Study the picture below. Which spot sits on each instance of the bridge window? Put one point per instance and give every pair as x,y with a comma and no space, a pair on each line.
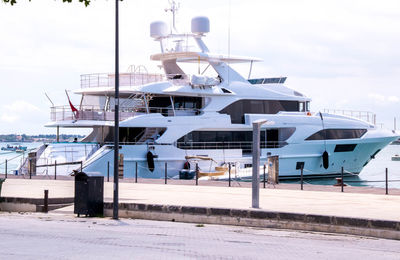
237,109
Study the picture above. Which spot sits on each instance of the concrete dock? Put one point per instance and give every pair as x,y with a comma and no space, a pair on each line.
154,201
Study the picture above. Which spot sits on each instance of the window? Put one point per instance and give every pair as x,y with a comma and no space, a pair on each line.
270,138
330,134
237,109
345,148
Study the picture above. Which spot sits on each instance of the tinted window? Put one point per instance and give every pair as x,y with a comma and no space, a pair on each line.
329,134
271,138
345,148
237,109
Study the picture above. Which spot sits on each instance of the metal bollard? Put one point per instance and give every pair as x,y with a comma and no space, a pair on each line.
264,175
387,185
342,184
165,178
6,168
108,171
197,174
229,167
301,177
46,201
30,168
136,173
55,169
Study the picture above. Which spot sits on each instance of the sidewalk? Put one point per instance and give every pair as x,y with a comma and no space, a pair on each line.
354,205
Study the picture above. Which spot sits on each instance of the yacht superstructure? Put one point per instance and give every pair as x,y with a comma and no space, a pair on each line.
209,113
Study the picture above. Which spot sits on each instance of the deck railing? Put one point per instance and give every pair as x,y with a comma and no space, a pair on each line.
64,113
362,115
125,79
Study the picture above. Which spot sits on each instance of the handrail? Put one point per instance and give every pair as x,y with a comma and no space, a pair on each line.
61,113
246,145
367,116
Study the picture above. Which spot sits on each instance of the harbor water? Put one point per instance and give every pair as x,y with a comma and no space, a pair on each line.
372,175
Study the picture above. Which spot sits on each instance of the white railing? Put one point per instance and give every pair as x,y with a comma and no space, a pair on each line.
362,115
125,79
62,113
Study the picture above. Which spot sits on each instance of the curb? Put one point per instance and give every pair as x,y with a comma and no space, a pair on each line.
259,218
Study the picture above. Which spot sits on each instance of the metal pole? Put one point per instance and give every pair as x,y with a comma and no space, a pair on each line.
46,201
55,169
116,111
165,172
301,177
229,165
387,186
108,171
30,168
136,173
197,174
6,169
264,174
81,166
342,179
256,164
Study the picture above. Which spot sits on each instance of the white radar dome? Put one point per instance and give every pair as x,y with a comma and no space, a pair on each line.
158,29
200,25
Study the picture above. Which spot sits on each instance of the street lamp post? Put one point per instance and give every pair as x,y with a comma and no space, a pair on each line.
255,193
116,119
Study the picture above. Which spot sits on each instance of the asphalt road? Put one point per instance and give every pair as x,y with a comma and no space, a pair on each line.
59,236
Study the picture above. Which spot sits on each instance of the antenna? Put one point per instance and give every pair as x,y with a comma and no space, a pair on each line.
173,9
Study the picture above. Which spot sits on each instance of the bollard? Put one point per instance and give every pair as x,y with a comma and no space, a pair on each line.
108,171
342,184
6,168
46,201
387,186
165,181
30,168
136,173
81,166
229,169
55,169
301,177
264,174
197,174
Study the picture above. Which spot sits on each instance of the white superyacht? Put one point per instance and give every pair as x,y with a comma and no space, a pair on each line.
202,108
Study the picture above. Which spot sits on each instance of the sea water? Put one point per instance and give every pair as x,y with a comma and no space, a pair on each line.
14,159
374,171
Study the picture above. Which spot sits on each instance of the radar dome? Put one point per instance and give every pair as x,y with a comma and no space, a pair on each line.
200,25
158,29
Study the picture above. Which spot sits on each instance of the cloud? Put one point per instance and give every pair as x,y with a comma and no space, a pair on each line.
393,99
18,112
377,97
20,106
8,118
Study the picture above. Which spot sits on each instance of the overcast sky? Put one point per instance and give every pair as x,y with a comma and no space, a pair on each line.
342,54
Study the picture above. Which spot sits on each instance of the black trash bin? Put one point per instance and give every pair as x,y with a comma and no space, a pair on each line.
89,194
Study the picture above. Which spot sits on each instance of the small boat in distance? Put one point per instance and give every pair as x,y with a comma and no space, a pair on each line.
16,148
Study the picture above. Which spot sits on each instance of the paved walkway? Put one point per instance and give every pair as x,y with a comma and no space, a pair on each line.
373,206
57,236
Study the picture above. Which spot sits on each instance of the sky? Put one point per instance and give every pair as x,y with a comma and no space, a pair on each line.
342,54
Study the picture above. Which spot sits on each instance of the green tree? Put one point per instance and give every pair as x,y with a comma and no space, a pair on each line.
12,2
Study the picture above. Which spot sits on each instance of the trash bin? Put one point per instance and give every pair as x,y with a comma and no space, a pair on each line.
1,184
89,194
